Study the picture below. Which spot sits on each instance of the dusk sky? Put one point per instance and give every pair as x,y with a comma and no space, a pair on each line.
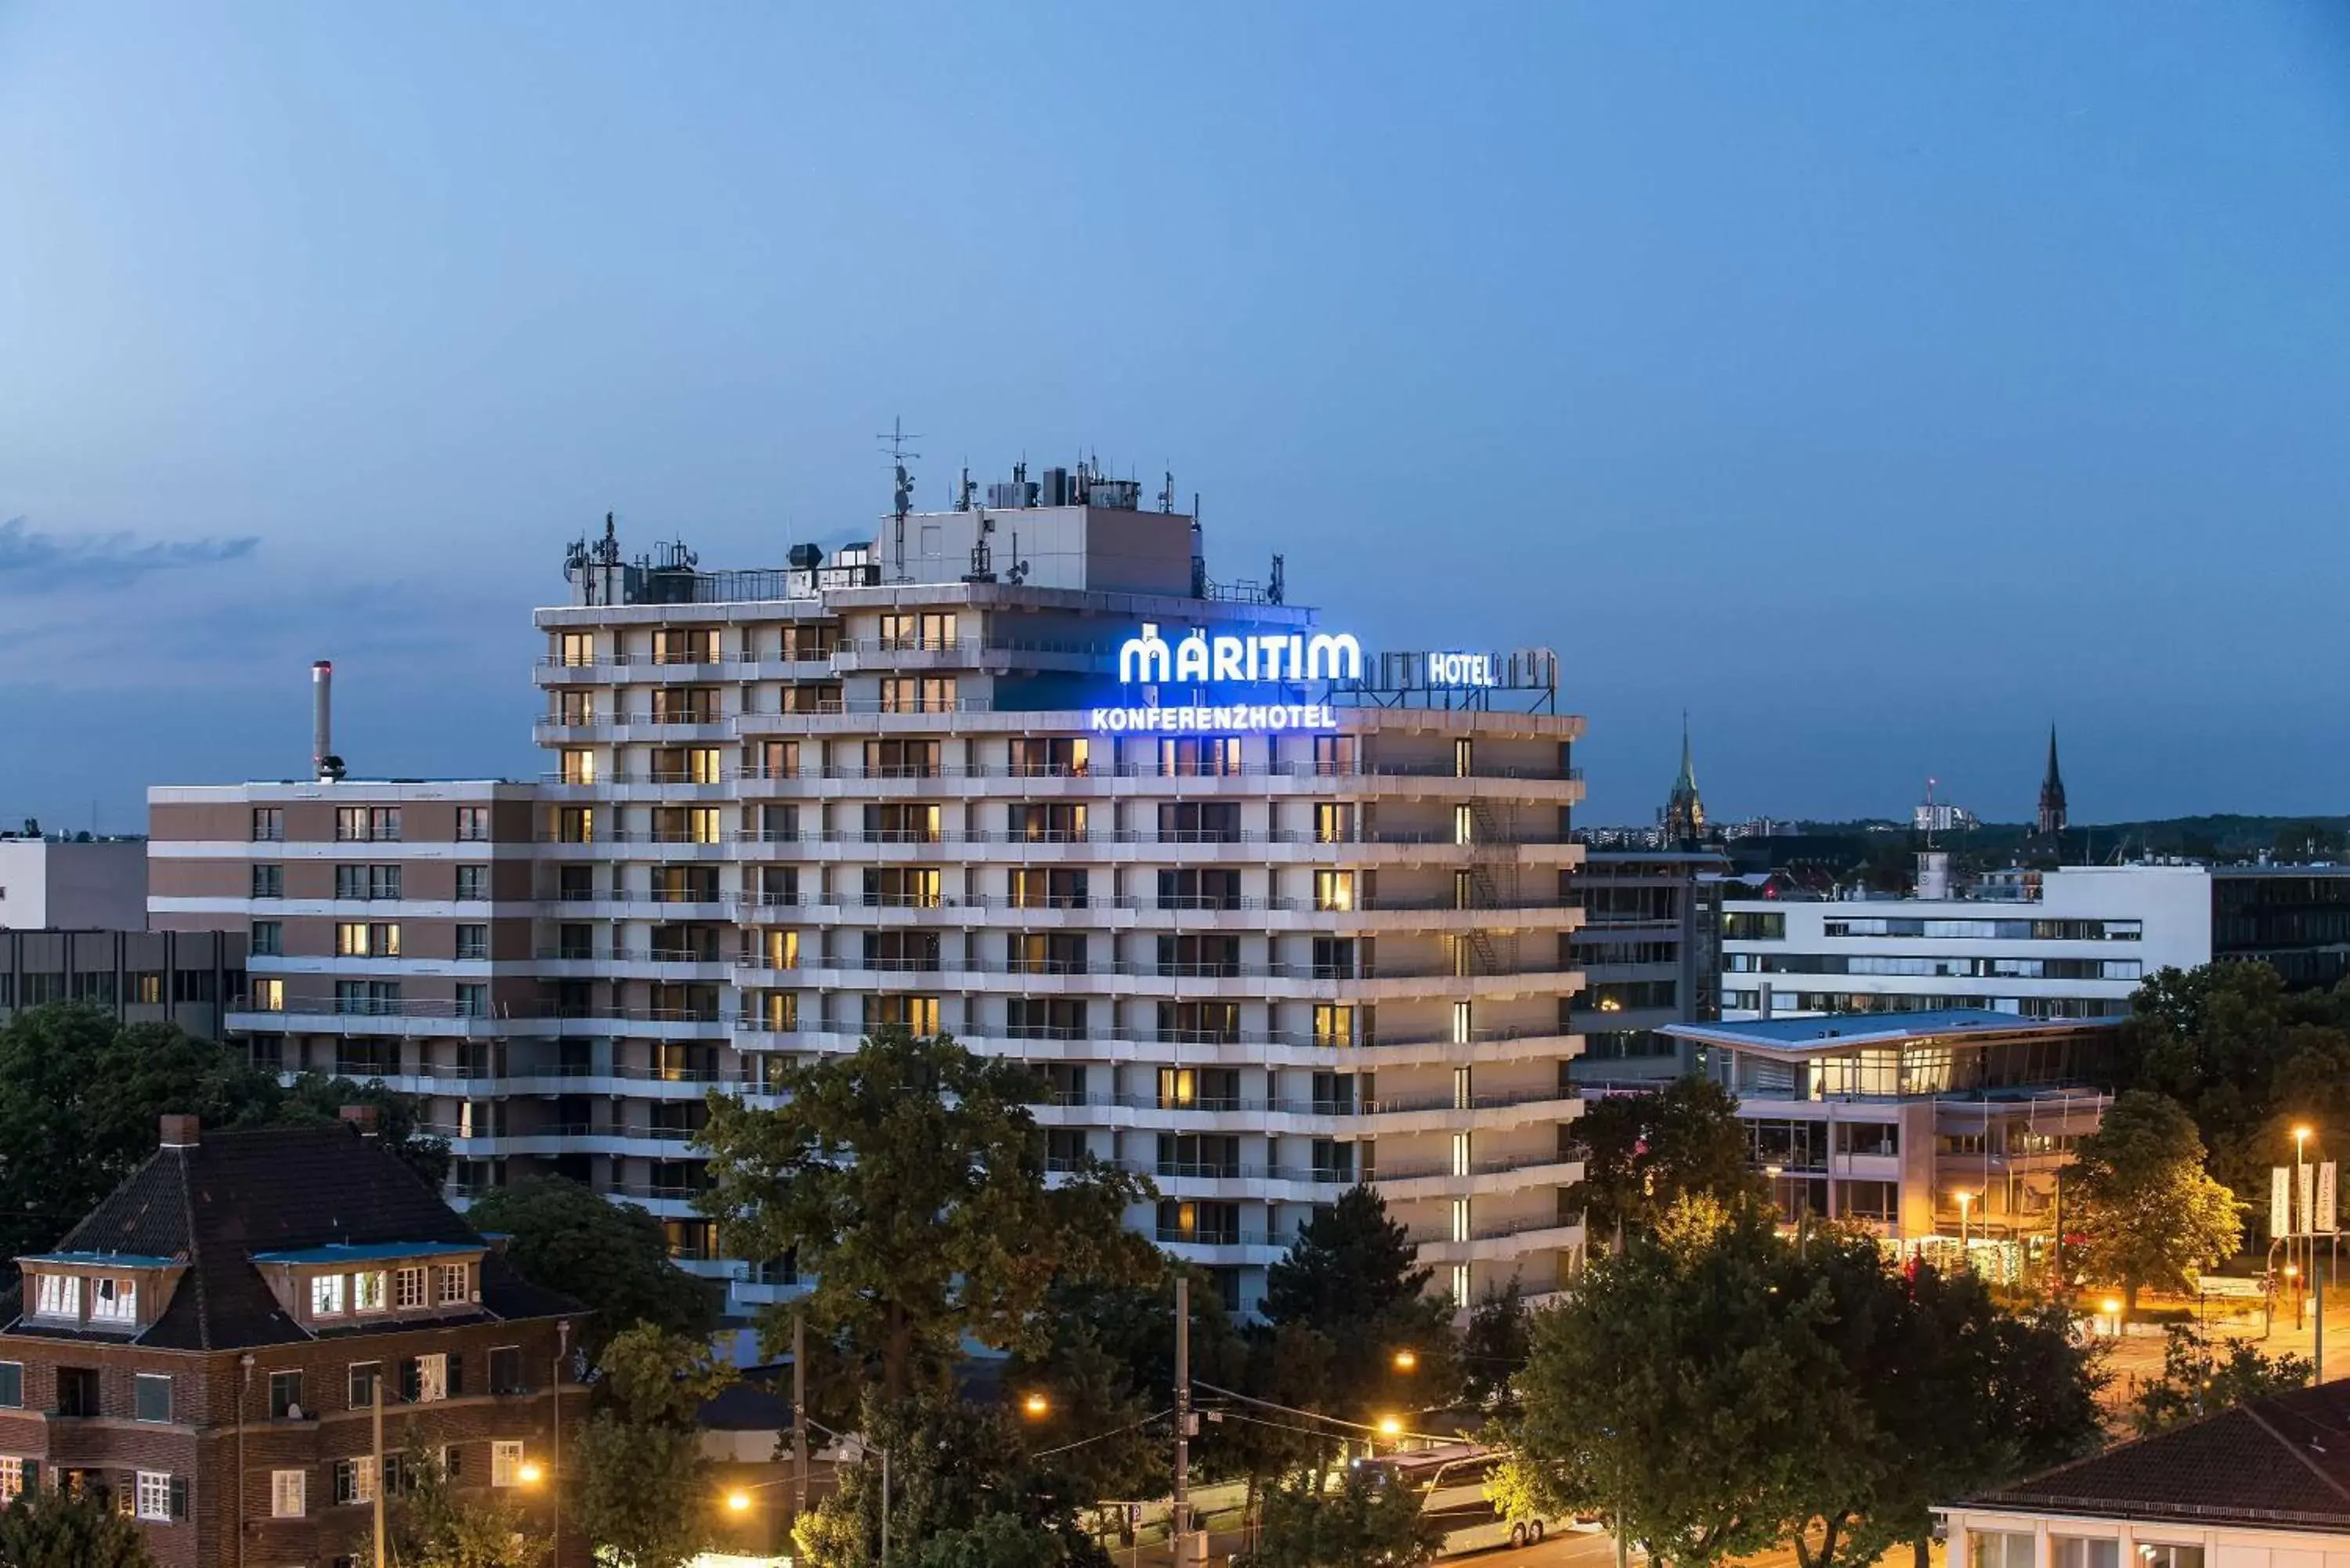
1879,384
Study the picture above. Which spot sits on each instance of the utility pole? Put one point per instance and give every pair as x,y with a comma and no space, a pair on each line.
1180,1519
375,1420
800,1416
555,1458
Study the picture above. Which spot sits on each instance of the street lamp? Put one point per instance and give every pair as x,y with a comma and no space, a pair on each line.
1965,1199
532,1473
1407,1360
2308,1221
2114,1310
1036,1406
1389,1427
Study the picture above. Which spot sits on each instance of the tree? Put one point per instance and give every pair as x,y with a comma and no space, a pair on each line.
2151,1214
1682,1392
998,1541
643,1490
81,1096
429,1525
1351,1277
2195,1381
612,1256
1642,1153
1928,1371
1365,1522
909,1179
1493,1348
45,1528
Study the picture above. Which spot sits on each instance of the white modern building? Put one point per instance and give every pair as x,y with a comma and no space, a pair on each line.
74,884
2073,942
1942,1126
1267,912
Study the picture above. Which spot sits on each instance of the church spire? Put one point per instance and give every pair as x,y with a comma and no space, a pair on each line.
2052,794
1685,808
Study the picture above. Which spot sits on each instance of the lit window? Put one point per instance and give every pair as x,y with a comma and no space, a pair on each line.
1334,890
456,1282
154,1495
367,1290
269,996
12,1477
505,1464
431,1378
408,1289
113,1300
327,1295
285,1493
355,1480
59,1296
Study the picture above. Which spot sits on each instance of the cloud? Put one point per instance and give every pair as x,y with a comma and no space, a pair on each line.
33,563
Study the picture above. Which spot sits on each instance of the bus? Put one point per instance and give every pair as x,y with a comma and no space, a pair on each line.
1451,1479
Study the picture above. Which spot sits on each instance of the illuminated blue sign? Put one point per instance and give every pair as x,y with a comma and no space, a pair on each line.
1275,656
1216,718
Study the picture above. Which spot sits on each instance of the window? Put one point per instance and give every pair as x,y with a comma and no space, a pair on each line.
576,649
1334,890
151,1396
78,1391
367,1290
355,939
367,824
473,941
12,1477
505,1464
473,824
1999,1549
12,1384
268,823
408,1289
154,1494
473,1000
427,1377
506,1374
285,1395
473,883
268,938
355,1480
59,1296
327,1295
269,881
2162,1555
1334,823
456,1284
268,995
285,1493
363,1378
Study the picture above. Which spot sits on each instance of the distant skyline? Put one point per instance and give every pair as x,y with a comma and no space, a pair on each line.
1880,385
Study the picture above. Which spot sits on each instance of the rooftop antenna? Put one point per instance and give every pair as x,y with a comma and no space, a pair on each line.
1167,493
964,490
904,502
1275,587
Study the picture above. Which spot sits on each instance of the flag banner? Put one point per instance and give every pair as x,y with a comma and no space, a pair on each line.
2308,1197
2323,1213
2279,1201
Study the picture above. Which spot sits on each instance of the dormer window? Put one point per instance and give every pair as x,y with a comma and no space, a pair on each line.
456,1284
59,1296
326,1295
367,1290
408,1288
113,1300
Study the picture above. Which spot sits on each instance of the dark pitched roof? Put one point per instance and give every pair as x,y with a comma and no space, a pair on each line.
218,1202
2282,1461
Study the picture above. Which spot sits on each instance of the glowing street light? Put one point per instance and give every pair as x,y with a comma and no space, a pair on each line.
1389,1427
1036,1406
531,1473
1407,1360
738,1501
1965,1200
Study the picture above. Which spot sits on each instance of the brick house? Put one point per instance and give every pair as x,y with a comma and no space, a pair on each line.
204,1344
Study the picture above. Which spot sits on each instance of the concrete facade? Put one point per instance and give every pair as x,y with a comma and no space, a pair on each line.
98,884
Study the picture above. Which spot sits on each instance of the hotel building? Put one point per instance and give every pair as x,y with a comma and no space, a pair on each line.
1267,913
